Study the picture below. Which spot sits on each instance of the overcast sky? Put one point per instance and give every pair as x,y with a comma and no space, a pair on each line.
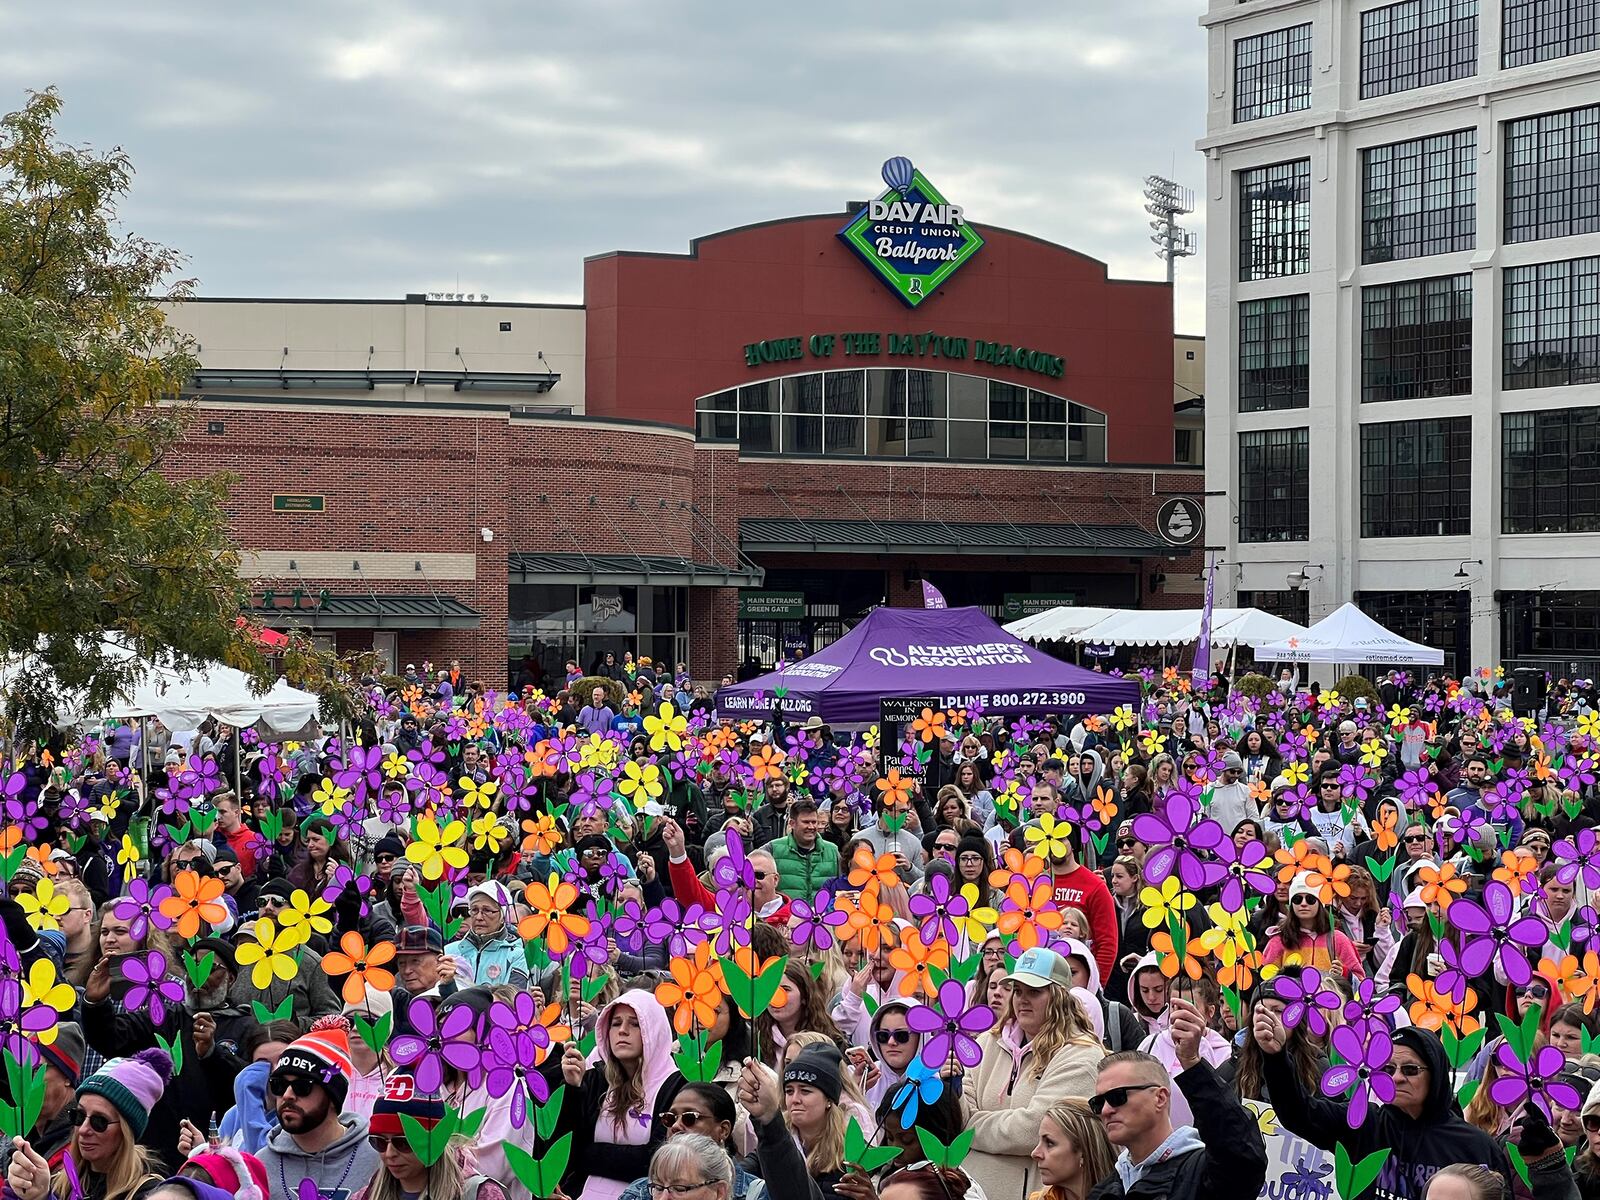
377,147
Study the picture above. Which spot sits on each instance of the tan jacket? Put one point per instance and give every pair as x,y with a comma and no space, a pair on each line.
1003,1104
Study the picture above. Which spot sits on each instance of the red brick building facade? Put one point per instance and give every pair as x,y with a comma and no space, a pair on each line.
761,418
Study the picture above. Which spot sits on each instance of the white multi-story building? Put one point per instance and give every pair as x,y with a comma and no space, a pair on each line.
1403,318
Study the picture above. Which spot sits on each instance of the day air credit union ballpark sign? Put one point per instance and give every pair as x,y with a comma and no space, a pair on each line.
911,236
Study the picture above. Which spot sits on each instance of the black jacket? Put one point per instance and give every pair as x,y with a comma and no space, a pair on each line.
581,1107
1418,1148
1233,1163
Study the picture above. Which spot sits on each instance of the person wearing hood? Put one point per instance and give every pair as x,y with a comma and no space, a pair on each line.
1042,1051
1222,1154
489,945
1202,995
308,1084
615,1108
247,1124
1148,992
892,1047
1123,1029
1420,1127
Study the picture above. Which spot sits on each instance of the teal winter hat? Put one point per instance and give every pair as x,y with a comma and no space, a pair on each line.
132,1085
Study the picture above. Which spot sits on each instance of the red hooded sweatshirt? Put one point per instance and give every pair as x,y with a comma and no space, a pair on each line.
1083,889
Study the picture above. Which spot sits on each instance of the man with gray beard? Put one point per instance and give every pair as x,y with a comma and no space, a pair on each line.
219,1024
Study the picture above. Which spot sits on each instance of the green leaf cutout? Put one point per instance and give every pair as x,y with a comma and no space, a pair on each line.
428,1144
263,1014
964,970
374,1033
1353,1179
1518,1163
174,1050
546,1115
199,969
542,1175
858,1154
1381,871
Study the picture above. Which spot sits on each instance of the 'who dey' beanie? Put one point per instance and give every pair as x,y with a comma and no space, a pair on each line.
132,1085
322,1056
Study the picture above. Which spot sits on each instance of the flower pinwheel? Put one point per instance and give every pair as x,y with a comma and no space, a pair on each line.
1578,855
44,905
691,995
1440,885
435,849
269,953
767,763
195,899
950,1026
152,991
1049,838
43,986
1537,1080
1029,914
666,727
140,906
1175,840
1167,900
893,788
866,868
552,917
520,1037
1494,934
1359,1073
916,961
361,967
1249,866
476,795
921,1085
640,783
939,910
815,920
487,833
430,1045
1305,999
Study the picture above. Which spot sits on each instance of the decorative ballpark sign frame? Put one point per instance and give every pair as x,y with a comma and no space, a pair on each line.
911,236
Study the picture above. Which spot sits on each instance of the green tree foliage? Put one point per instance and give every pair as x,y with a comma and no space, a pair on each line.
94,540
1254,685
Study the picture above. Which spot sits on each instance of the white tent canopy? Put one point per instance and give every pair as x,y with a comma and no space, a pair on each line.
1348,635
1157,627
183,699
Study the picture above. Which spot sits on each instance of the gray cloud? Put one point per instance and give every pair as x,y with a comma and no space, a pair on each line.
376,147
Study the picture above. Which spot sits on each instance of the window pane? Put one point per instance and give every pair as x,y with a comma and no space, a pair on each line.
1274,353
1275,485
758,433
717,425
928,439
1416,478
1419,197
1539,30
845,392
1047,443
969,439
969,397
886,436
1416,43
802,435
1007,402
1008,439
1275,220
728,401
802,394
886,393
845,435
1552,175
1416,339
925,393
1050,410
759,397
1086,443
1550,471
1551,324
1272,73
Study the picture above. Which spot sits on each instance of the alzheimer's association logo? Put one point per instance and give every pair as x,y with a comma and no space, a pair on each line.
889,656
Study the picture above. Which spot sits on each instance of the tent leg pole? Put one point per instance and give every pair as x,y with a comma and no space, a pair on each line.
238,753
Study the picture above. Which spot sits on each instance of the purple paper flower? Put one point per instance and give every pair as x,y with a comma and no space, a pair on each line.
937,911
734,869
1494,932
152,991
1537,1080
1174,839
815,921
1360,1075
1367,1005
430,1047
1305,999
1579,854
951,1026
1250,866
677,927
140,906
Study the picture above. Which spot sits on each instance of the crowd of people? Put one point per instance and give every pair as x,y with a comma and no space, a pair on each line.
599,944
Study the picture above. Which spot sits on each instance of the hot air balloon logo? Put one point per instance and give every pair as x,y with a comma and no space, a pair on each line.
898,174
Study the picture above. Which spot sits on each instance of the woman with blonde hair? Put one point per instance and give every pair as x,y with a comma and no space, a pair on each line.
1073,1154
114,1111
851,1097
1042,1051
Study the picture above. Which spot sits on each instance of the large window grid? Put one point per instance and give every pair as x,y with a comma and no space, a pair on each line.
1539,30
1416,478
1274,354
1550,471
1419,197
1416,339
1272,73
1417,43
1275,485
1551,324
900,413
1553,175
1275,220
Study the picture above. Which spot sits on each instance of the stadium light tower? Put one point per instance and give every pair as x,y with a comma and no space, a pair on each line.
1165,201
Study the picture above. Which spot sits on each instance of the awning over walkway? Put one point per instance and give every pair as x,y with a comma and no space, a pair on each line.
864,536
629,569
328,611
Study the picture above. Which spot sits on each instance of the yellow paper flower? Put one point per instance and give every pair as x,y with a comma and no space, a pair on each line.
1589,724
44,905
872,737
1296,772
1327,698
1373,753
1122,718
666,727
1169,898
305,913
1152,742
477,795
978,921
267,952
396,766
128,859
597,751
640,783
1399,714
487,833
435,848
42,987
1049,838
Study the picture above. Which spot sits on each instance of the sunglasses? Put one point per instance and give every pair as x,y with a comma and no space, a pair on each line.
1126,843
1409,1070
947,847
1591,1122
1538,991
760,875
1308,900
688,1118
1116,1097
384,859
898,1036
380,1143
98,1122
1420,837
298,1084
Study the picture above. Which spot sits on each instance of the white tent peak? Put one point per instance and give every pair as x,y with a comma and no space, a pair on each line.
1348,635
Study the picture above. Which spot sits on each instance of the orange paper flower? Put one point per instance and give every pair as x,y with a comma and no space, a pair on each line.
895,788
1169,960
1518,870
870,920
864,868
1433,1010
1384,832
1015,863
917,962
1300,857
1104,804
197,900
41,855
1578,979
543,835
1440,884
362,968
1032,914
930,726
551,917
767,762
1331,883
691,995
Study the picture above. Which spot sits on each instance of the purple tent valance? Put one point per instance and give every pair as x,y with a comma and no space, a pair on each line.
957,655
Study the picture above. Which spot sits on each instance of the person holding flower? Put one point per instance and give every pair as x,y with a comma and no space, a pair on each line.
1307,936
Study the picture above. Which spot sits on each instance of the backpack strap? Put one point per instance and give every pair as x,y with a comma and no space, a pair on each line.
1114,1025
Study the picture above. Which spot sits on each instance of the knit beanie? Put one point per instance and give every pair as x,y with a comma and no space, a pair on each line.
322,1056
401,1097
819,1067
281,888
241,1175
132,1085
66,1053
389,844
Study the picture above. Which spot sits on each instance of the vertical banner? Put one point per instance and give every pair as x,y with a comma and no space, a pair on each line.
931,597
1202,650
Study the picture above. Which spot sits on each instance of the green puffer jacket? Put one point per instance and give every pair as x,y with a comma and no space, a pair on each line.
802,872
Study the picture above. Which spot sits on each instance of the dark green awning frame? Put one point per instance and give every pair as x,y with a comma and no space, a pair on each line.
534,567
798,535
371,612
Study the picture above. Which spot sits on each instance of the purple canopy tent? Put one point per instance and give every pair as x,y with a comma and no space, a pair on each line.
956,657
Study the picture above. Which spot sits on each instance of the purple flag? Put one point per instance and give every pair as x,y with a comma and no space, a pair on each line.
931,597
1202,650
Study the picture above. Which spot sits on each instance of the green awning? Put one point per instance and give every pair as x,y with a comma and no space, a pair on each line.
773,535
328,611
534,567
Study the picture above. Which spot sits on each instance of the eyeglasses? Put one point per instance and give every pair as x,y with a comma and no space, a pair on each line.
1116,1097
688,1118
1409,1070
380,1143
298,1084
898,1036
1307,900
98,1122
677,1189
969,859
1538,991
